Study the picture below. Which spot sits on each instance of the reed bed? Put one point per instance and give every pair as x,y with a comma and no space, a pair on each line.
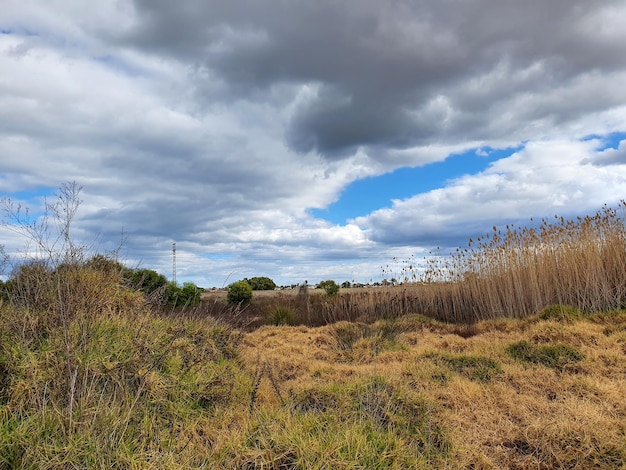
579,262
509,273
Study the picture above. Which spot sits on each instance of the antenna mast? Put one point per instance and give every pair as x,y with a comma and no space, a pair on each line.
174,262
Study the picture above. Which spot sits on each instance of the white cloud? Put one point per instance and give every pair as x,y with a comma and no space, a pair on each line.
544,178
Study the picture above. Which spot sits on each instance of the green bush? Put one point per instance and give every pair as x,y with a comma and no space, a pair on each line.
239,292
186,296
330,287
261,283
151,283
108,264
146,280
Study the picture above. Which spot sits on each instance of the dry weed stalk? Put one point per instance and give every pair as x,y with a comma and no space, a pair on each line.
264,369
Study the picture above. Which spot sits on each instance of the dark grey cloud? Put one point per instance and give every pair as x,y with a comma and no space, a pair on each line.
379,65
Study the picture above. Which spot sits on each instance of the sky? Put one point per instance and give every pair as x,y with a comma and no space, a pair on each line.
308,140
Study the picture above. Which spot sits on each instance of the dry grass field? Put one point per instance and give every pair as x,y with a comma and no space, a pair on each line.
496,410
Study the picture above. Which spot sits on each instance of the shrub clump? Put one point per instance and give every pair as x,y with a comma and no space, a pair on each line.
555,356
146,281
156,287
330,287
188,295
239,292
261,283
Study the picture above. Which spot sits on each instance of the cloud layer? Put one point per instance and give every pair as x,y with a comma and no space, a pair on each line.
219,124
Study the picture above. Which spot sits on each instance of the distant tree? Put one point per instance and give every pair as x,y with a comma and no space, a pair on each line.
239,292
188,295
261,283
330,287
345,284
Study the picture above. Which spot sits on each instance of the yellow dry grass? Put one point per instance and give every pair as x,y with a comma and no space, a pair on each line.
527,416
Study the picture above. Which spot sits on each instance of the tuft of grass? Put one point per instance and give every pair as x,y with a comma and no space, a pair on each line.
346,334
475,368
364,342
614,321
282,315
556,356
110,391
370,424
316,400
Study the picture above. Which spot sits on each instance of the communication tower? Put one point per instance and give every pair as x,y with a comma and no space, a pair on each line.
174,262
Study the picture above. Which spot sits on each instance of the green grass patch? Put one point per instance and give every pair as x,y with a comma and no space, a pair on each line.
558,312
475,368
365,424
556,356
113,392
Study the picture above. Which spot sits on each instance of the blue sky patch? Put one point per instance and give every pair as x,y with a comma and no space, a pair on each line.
609,141
31,199
369,194
35,194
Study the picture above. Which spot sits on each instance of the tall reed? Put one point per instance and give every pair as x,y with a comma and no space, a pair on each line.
518,271
509,273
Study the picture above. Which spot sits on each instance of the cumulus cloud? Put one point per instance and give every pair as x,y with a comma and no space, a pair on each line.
543,179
